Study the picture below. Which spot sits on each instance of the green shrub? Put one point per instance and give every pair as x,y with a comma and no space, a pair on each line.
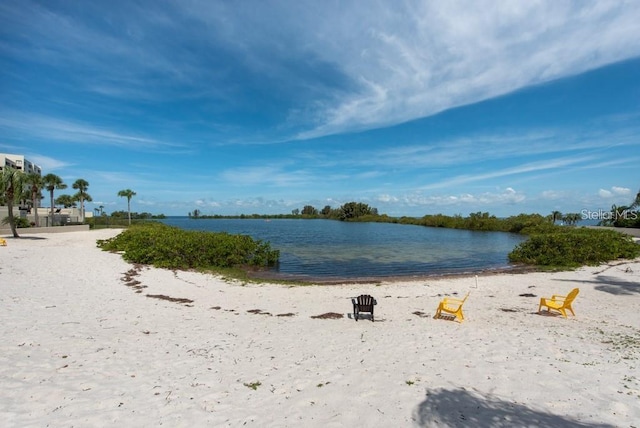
572,247
173,248
20,222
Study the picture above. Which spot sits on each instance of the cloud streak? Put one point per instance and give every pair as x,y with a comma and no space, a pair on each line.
362,67
70,131
448,54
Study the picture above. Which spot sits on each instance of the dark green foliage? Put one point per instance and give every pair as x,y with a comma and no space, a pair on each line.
522,223
622,217
66,201
353,210
309,210
173,248
571,247
21,223
136,216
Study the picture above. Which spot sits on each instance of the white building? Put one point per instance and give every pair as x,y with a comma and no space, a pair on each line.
19,162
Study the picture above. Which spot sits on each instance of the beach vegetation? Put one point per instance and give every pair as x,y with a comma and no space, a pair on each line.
309,210
81,185
623,216
119,219
170,247
573,247
53,182
20,222
355,210
11,183
35,184
253,385
127,193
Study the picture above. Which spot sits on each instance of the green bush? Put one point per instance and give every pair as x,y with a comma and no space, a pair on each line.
572,247
173,248
21,222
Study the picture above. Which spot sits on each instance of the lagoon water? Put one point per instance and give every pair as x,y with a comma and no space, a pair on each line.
328,249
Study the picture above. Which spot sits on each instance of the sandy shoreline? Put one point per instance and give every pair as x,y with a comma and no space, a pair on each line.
84,345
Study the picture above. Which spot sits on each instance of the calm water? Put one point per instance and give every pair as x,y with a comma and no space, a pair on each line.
326,249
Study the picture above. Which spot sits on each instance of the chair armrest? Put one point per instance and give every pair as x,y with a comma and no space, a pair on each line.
451,299
375,302
354,302
557,297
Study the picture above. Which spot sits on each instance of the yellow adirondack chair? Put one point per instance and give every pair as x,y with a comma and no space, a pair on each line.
559,303
3,242
451,306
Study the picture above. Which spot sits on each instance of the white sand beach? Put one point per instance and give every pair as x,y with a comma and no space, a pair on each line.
84,344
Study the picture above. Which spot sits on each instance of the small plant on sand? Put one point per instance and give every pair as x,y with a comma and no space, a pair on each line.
253,385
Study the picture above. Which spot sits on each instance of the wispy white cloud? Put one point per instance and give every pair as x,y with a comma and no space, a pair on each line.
48,163
72,131
425,57
516,170
487,147
339,69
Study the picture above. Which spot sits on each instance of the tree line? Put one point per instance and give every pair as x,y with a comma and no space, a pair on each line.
351,211
624,216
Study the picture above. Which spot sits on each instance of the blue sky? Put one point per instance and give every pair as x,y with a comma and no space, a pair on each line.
413,107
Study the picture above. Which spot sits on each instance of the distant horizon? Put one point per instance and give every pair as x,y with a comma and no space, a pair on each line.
414,108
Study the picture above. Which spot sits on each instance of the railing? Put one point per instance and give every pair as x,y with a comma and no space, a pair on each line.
58,220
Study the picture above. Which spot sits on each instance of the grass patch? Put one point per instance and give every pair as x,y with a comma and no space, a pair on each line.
253,385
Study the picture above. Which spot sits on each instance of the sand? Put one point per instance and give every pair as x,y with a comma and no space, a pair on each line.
84,343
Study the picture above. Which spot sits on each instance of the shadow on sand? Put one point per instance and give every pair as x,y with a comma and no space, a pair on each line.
460,408
611,285
32,238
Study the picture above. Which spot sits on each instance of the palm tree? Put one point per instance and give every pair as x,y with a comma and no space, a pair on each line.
11,184
66,201
35,183
81,185
636,202
571,218
52,182
127,193
556,215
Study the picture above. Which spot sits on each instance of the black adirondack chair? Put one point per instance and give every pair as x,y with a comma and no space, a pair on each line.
363,303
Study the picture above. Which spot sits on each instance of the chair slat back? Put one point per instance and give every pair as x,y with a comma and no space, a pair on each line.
571,296
365,302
